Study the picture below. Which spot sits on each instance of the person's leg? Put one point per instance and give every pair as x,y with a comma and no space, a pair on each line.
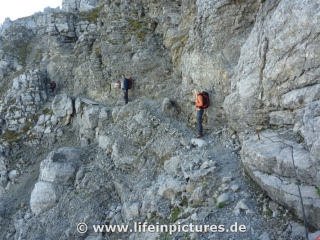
126,99
199,122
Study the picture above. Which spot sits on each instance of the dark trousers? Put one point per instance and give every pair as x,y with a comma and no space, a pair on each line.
52,89
199,121
126,98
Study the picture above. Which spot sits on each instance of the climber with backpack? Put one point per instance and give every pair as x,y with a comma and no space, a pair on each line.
202,102
127,84
52,86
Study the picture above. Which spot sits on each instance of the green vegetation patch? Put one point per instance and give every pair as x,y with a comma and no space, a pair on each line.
141,35
31,137
26,127
97,52
135,24
175,213
39,54
268,212
138,27
184,202
222,205
47,111
10,136
91,15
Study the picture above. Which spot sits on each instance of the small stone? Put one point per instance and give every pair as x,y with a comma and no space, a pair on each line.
205,165
273,206
198,142
118,209
264,236
241,205
223,198
212,163
234,188
236,212
27,216
47,130
9,236
276,214
111,215
13,175
8,186
245,194
193,235
226,179
250,213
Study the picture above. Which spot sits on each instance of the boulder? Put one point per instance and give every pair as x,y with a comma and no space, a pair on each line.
62,105
172,166
269,161
167,108
44,196
57,171
170,188
90,118
286,193
199,142
58,168
273,154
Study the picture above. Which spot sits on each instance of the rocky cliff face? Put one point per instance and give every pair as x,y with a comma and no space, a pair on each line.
257,59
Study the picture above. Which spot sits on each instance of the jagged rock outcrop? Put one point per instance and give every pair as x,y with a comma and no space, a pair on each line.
57,172
78,5
273,163
276,83
277,65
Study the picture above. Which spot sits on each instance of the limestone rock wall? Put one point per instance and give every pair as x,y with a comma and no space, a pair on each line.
278,65
276,83
215,36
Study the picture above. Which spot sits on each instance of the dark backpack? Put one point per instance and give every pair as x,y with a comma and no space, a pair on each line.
53,84
130,83
206,100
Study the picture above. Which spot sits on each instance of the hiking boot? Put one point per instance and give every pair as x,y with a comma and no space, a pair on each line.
198,136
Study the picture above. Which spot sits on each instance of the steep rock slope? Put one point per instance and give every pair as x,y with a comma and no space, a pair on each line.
276,83
257,60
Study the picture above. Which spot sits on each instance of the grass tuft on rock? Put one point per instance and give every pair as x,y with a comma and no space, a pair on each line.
175,213
91,15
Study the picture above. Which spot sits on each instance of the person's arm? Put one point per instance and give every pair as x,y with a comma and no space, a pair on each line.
199,102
